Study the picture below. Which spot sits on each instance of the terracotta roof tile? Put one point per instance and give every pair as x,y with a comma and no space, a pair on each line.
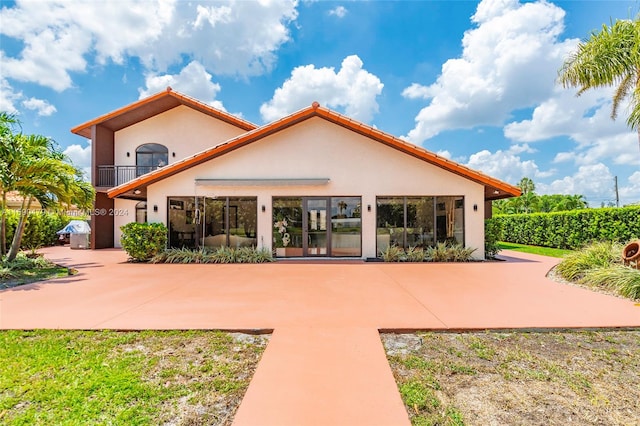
491,184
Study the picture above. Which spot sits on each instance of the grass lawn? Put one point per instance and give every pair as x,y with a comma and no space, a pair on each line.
544,251
25,270
133,378
518,378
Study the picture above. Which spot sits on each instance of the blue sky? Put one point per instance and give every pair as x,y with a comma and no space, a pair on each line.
472,81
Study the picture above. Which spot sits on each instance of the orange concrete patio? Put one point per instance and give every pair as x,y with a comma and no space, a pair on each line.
325,363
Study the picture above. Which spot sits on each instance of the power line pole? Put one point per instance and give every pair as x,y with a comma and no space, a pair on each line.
617,196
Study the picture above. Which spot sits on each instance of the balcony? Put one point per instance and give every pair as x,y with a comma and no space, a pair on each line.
110,176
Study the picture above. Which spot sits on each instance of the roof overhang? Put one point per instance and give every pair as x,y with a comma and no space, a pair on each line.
494,188
154,105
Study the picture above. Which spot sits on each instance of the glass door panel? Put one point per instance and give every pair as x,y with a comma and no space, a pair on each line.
346,226
288,235
316,227
214,233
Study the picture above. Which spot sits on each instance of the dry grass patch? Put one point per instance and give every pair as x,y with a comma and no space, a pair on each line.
518,378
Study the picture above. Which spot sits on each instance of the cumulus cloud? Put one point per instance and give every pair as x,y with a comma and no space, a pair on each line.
352,88
505,65
193,80
60,37
8,97
507,165
42,107
80,156
339,12
596,183
630,190
586,120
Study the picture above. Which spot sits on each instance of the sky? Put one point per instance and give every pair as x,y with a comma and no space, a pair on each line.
473,81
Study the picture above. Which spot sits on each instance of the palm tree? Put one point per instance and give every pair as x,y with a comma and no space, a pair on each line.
33,166
609,58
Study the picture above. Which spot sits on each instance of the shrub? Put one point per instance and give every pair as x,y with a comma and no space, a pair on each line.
576,264
623,279
219,255
443,252
40,228
414,254
571,229
492,234
393,253
142,241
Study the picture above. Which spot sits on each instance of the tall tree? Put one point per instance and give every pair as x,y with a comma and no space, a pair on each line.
609,58
8,123
34,166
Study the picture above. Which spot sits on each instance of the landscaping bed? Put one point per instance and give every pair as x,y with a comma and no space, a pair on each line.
517,378
108,377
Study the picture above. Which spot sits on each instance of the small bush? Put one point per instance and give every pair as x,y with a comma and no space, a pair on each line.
414,254
22,263
142,241
443,252
576,264
622,279
393,253
492,234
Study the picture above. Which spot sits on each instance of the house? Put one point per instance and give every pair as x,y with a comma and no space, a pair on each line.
314,183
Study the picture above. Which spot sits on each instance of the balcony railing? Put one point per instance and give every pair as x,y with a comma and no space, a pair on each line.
110,176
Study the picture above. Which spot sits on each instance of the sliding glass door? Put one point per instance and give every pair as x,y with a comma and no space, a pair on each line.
317,226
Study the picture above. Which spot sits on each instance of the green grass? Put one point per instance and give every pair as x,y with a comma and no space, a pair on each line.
622,279
133,378
597,255
544,251
25,270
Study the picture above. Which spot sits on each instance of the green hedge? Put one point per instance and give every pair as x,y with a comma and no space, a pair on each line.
40,229
571,229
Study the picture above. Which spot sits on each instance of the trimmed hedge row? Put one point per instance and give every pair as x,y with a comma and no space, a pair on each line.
571,229
40,229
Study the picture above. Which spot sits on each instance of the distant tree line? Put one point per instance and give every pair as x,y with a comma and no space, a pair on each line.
530,202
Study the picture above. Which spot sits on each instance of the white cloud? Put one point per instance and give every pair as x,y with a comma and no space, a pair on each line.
193,80
351,88
630,192
8,97
507,165
339,12
596,183
509,61
42,107
80,157
586,120
61,37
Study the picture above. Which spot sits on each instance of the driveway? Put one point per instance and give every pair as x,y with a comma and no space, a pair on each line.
325,363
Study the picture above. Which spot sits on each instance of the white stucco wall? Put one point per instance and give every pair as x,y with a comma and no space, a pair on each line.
182,130
316,148
124,211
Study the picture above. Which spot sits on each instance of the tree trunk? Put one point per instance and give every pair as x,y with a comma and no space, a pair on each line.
3,226
17,237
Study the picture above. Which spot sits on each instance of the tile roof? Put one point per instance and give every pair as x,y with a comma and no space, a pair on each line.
153,105
494,188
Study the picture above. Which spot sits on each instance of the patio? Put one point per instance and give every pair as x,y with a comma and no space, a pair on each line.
325,363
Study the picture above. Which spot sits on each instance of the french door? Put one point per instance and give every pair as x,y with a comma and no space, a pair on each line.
316,227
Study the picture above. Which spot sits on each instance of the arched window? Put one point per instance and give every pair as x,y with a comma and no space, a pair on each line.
150,156
141,212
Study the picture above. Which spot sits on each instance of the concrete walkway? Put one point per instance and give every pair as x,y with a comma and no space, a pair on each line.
325,363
